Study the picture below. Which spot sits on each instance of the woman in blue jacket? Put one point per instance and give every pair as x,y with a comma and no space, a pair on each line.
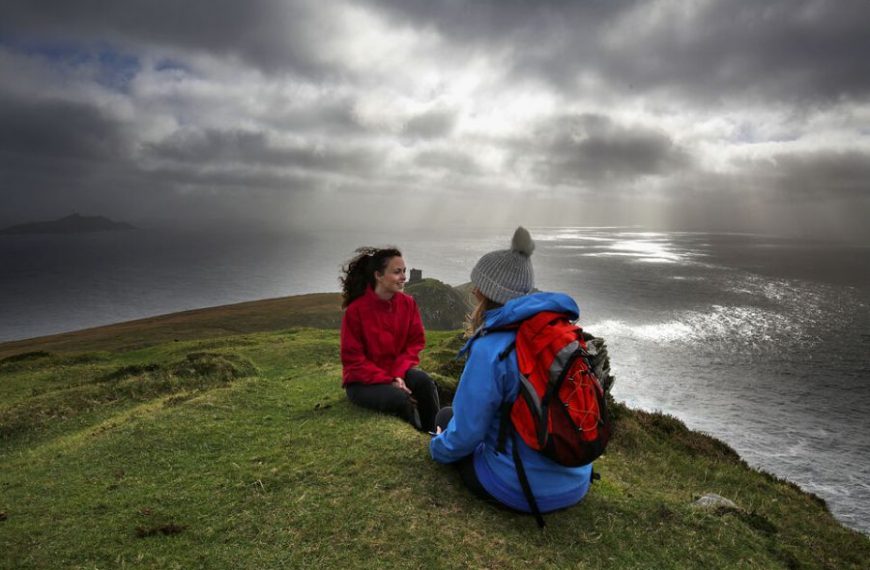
468,432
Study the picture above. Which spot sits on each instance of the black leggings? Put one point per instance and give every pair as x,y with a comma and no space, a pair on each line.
388,399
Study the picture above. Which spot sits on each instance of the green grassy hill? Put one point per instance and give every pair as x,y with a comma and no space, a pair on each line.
181,444
320,310
442,307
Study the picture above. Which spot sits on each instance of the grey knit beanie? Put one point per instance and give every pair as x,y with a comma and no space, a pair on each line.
507,273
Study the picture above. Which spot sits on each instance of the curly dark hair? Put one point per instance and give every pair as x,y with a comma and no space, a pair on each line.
359,272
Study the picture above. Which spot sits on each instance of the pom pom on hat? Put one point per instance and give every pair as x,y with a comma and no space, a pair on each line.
507,273
522,242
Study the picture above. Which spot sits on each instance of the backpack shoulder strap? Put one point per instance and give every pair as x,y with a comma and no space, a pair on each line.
524,482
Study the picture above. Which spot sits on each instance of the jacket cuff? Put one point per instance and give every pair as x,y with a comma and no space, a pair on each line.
400,370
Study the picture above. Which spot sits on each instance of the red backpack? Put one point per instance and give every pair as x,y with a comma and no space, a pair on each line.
560,409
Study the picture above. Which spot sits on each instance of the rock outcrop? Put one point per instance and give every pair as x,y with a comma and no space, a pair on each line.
441,306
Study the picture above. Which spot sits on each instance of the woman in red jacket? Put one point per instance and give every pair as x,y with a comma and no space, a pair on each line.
381,339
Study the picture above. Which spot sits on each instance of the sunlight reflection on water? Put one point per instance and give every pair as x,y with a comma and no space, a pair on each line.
699,327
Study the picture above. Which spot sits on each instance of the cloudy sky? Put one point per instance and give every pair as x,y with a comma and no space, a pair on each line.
727,115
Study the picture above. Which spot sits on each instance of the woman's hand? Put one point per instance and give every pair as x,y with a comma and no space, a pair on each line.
400,384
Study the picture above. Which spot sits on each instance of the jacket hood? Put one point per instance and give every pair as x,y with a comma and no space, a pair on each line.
522,308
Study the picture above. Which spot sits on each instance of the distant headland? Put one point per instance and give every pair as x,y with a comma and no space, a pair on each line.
72,224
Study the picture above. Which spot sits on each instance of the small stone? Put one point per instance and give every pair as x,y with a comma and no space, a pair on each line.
714,501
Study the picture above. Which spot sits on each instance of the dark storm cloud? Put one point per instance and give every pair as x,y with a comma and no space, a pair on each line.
45,186
229,184
195,147
54,128
39,188
210,105
435,123
327,117
59,156
789,49
592,148
486,22
269,34
710,51
65,144
448,161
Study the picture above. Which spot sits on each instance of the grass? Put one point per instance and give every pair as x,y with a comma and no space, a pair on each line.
242,452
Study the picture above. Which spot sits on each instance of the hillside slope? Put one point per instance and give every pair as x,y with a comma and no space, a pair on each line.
242,452
321,310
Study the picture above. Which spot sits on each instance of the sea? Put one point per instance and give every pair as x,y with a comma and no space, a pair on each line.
761,341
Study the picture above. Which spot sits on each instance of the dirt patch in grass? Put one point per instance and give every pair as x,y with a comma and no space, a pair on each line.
167,529
133,370
24,356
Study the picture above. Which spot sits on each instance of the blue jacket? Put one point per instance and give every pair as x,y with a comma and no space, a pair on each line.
485,384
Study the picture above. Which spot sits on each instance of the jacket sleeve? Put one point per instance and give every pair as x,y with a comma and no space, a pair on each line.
357,366
478,399
416,341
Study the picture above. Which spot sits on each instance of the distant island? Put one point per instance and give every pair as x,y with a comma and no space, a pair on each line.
72,224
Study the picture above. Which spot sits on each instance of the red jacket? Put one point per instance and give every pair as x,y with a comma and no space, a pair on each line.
380,340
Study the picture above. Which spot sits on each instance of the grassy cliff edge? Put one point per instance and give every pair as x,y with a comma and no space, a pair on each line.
221,438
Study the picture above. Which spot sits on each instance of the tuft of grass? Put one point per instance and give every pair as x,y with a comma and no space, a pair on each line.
640,427
441,362
153,530
222,367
